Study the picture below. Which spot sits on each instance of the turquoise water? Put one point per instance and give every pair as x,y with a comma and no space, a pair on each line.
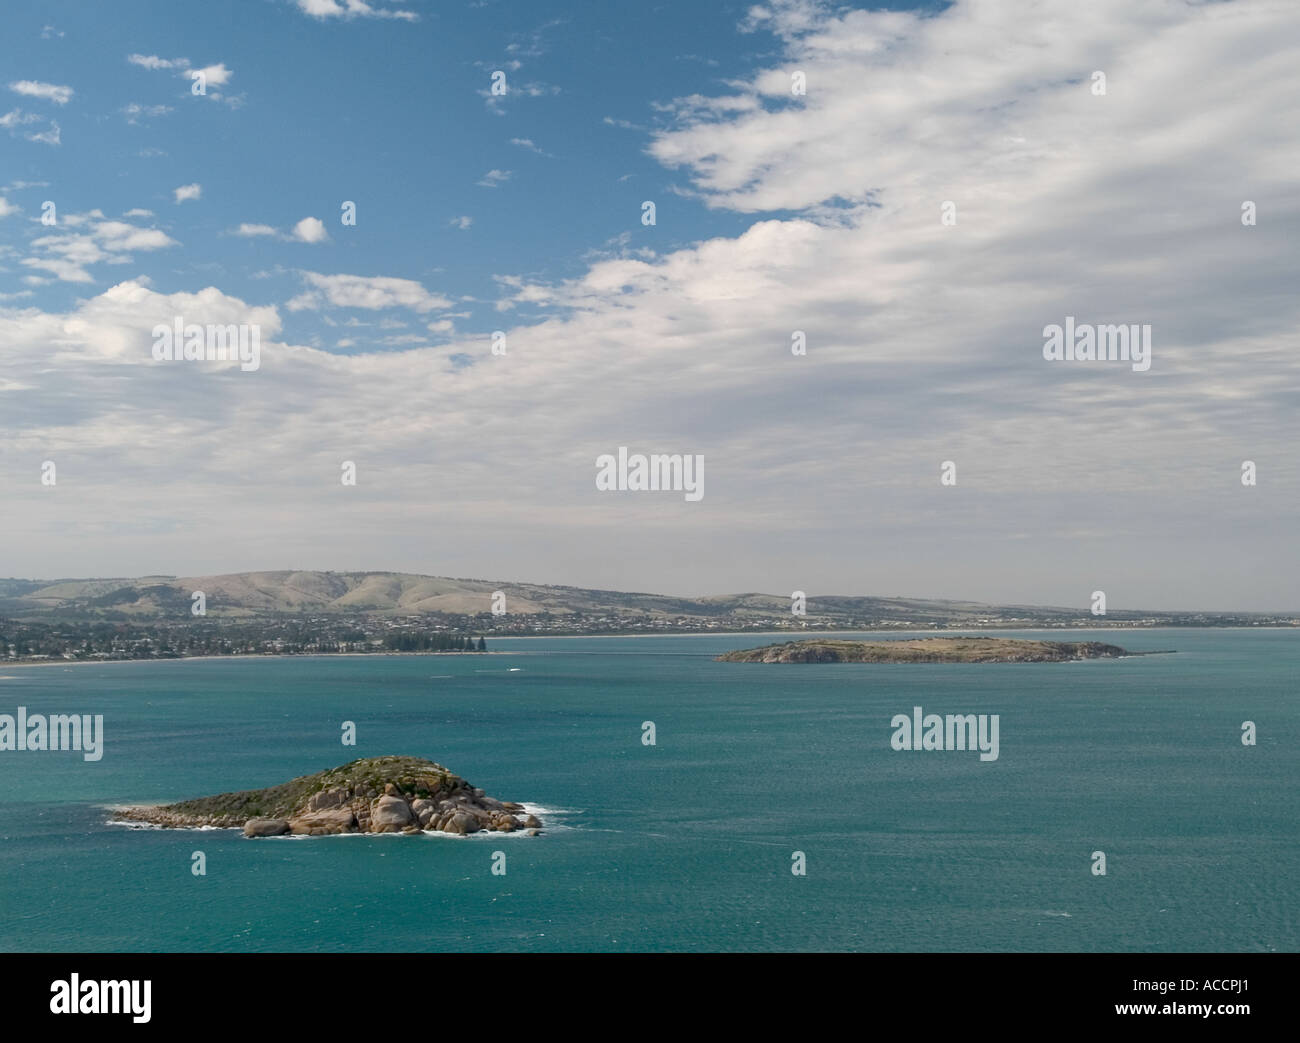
686,845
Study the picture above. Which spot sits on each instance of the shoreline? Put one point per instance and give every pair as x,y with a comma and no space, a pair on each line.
9,664
21,665
973,631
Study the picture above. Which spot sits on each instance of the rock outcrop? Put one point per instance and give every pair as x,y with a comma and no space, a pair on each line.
266,827
373,795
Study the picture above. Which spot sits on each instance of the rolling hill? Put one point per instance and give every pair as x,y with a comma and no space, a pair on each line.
246,595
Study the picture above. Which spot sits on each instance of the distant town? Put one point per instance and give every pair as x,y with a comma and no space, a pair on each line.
105,639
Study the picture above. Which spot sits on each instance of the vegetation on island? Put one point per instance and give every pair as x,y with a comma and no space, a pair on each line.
393,794
928,650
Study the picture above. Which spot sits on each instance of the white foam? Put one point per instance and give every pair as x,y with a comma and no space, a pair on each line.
130,824
540,810
135,824
547,815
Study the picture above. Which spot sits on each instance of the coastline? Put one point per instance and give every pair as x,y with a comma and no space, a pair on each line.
588,637
242,655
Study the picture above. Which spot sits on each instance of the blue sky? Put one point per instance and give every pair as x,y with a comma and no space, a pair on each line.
777,212
386,113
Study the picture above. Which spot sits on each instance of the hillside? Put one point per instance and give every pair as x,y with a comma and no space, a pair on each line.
251,594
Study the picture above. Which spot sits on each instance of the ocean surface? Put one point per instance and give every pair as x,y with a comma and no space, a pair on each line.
688,844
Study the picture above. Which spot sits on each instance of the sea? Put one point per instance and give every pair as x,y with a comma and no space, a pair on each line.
770,813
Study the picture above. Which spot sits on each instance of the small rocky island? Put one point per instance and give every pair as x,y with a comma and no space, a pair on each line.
928,650
372,795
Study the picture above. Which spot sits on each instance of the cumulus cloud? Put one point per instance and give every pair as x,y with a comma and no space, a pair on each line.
493,178
212,76
923,342
186,192
83,240
310,230
45,91
372,292
345,9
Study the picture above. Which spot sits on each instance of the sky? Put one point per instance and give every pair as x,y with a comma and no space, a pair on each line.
917,193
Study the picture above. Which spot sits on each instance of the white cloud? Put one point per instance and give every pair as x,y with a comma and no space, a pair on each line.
67,252
45,91
324,9
372,292
135,111
47,137
115,327
138,212
16,118
493,178
515,91
463,222
213,75
6,207
924,343
529,145
152,61
310,230
61,268
120,236
185,192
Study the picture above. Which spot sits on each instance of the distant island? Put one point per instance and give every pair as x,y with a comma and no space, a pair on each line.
371,795
929,650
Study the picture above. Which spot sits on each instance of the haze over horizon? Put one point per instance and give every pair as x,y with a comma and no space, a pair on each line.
774,213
